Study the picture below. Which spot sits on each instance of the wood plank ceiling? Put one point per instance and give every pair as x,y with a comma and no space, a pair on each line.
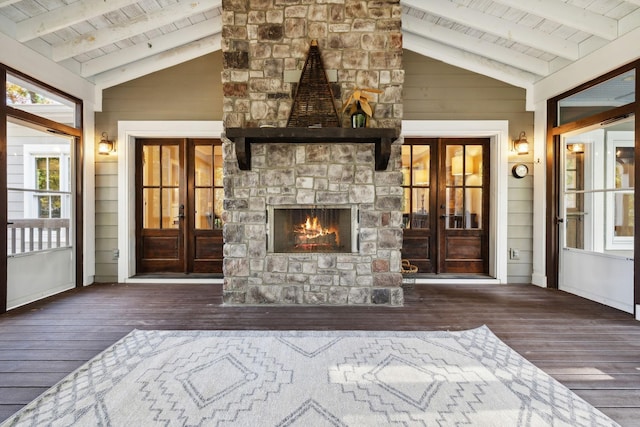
515,41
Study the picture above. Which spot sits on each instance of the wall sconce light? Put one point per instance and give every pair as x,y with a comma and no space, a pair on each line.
575,148
521,145
105,147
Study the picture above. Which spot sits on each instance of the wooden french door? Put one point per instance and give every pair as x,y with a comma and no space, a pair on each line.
179,195
446,205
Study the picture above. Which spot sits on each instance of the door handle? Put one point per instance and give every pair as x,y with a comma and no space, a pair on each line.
181,212
559,220
444,216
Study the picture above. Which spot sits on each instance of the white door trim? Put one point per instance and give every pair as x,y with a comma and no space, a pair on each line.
128,132
498,132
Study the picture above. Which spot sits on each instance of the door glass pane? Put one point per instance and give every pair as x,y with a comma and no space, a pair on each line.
420,208
623,215
28,96
599,170
473,165
151,208
420,165
170,165
406,206
454,208
455,163
151,162
218,194
203,165
406,165
204,215
208,191
464,186
217,164
615,92
416,180
473,208
39,180
171,208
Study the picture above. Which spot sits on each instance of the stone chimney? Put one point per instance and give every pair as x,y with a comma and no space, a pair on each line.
265,44
268,167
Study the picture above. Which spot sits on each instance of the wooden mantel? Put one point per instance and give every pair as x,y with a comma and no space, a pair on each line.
244,137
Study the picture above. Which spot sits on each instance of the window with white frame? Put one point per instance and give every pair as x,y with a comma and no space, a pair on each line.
620,181
47,171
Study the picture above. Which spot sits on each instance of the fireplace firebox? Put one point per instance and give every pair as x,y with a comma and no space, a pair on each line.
312,229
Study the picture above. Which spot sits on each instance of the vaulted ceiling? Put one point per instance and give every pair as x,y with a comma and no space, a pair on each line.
516,41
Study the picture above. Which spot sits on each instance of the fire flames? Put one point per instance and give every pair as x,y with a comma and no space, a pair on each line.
312,228
311,234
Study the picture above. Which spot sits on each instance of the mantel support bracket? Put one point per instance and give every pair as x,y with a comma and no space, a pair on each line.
243,153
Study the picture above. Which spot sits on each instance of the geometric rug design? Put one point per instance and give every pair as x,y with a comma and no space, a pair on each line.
311,379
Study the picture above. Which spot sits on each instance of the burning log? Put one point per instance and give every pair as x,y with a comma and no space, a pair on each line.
310,235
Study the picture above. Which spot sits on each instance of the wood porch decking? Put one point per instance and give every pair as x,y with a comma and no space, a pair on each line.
592,349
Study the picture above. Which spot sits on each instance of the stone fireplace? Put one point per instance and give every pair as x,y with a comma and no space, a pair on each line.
312,216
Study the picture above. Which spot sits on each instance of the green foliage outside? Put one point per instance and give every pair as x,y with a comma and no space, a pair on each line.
48,178
17,95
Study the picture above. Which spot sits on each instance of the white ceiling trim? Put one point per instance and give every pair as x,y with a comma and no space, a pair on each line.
474,44
566,14
629,22
499,27
469,61
153,47
158,62
66,16
4,3
112,34
599,62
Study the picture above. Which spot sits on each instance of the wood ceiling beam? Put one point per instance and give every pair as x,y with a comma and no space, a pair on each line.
154,46
498,27
144,23
473,44
568,15
65,16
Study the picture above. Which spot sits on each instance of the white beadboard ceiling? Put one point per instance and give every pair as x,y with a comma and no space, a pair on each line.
519,42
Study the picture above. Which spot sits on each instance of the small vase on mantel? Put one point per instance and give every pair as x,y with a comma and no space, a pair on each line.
359,117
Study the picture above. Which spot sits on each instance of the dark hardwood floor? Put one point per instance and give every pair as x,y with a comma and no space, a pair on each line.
592,349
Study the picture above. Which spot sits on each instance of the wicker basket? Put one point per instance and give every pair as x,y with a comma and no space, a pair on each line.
407,268
313,103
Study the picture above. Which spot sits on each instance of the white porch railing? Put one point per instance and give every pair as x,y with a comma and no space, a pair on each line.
29,235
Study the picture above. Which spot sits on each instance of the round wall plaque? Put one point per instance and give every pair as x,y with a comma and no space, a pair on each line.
520,170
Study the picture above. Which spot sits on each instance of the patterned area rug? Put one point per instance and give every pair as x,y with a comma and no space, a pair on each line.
302,378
